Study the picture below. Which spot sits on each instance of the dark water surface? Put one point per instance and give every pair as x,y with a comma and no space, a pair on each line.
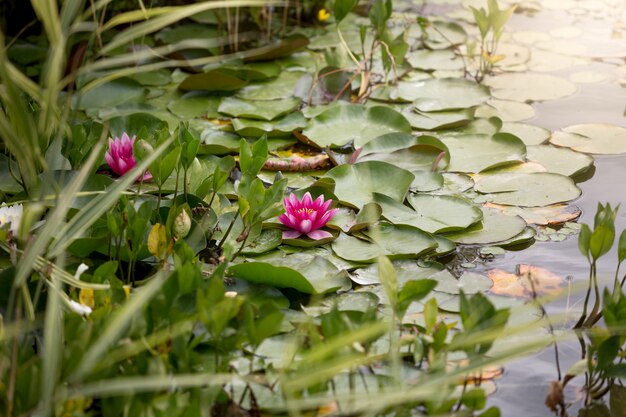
523,387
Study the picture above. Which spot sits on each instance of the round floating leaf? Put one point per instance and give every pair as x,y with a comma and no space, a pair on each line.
469,282
494,227
528,190
406,270
587,77
454,184
355,184
432,213
311,276
533,87
193,104
258,109
526,236
306,242
219,79
217,142
550,215
529,134
268,239
418,157
393,241
559,160
442,94
450,213
507,110
592,138
338,126
111,94
279,88
389,143
277,128
426,181
442,35
427,60
476,153
152,78
350,301
438,120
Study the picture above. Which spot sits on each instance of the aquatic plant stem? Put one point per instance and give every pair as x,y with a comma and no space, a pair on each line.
583,316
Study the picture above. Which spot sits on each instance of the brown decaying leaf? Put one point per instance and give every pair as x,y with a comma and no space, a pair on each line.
554,400
519,284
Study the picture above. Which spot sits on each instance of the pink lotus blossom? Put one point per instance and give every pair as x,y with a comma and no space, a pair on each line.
306,216
120,157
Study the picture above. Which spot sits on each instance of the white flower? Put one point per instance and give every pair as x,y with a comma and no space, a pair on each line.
79,271
80,309
11,215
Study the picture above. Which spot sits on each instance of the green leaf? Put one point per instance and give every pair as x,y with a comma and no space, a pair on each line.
478,152
584,240
356,184
601,241
592,138
262,110
338,126
414,291
341,8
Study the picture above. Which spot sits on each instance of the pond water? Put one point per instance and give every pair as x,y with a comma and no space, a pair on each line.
599,30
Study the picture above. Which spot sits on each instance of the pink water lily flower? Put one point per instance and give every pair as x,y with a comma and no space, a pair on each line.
306,216
120,157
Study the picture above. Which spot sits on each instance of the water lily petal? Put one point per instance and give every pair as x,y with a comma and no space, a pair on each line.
307,200
319,234
291,234
305,226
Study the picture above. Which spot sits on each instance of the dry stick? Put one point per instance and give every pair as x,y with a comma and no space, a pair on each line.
544,313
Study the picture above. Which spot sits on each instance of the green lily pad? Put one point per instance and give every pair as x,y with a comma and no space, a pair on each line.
426,181
454,184
592,138
528,189
356,184
393,241
218,142
431,213
525,236
469,282
219,79
276,128
193,104
268,239
438,120
310,276
507,110
428,60
280,88
153,78
111,94
406,270
476,153
529,134
442,94
338,126
529,87
350,301
559,160
442,35
389,143
495,227
418,157
260,110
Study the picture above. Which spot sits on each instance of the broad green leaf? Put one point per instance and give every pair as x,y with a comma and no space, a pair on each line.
559,160
528,190
529,87
592,138
280,88
261,110
495,227
353,123
476,153
442,94
279,128
529,134
314,276
356,184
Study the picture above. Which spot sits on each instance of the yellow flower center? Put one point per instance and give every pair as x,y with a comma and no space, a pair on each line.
308,211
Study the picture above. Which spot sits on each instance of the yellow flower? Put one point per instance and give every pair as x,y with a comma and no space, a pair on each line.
323,15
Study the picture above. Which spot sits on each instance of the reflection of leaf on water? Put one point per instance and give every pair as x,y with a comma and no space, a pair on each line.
518,284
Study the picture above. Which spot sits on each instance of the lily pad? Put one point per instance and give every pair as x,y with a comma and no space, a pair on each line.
442,35
507,110
111,94
495,227
469,282
261,109
528,189
338,126
268,239
476,153
428,60
438,120
529,134
432,213
219,79
559,160
592,138
356,184
406,270
393,241
193,104
418,157
280,88
276,128
442,94
312,276
528,86
426,181
549,215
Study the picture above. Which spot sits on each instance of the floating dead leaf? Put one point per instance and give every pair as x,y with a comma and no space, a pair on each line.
485,374
330,409
549,215
519,284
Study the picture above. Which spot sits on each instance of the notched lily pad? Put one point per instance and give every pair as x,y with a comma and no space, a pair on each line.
258,109
495,227
439,94
476,153
592,138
